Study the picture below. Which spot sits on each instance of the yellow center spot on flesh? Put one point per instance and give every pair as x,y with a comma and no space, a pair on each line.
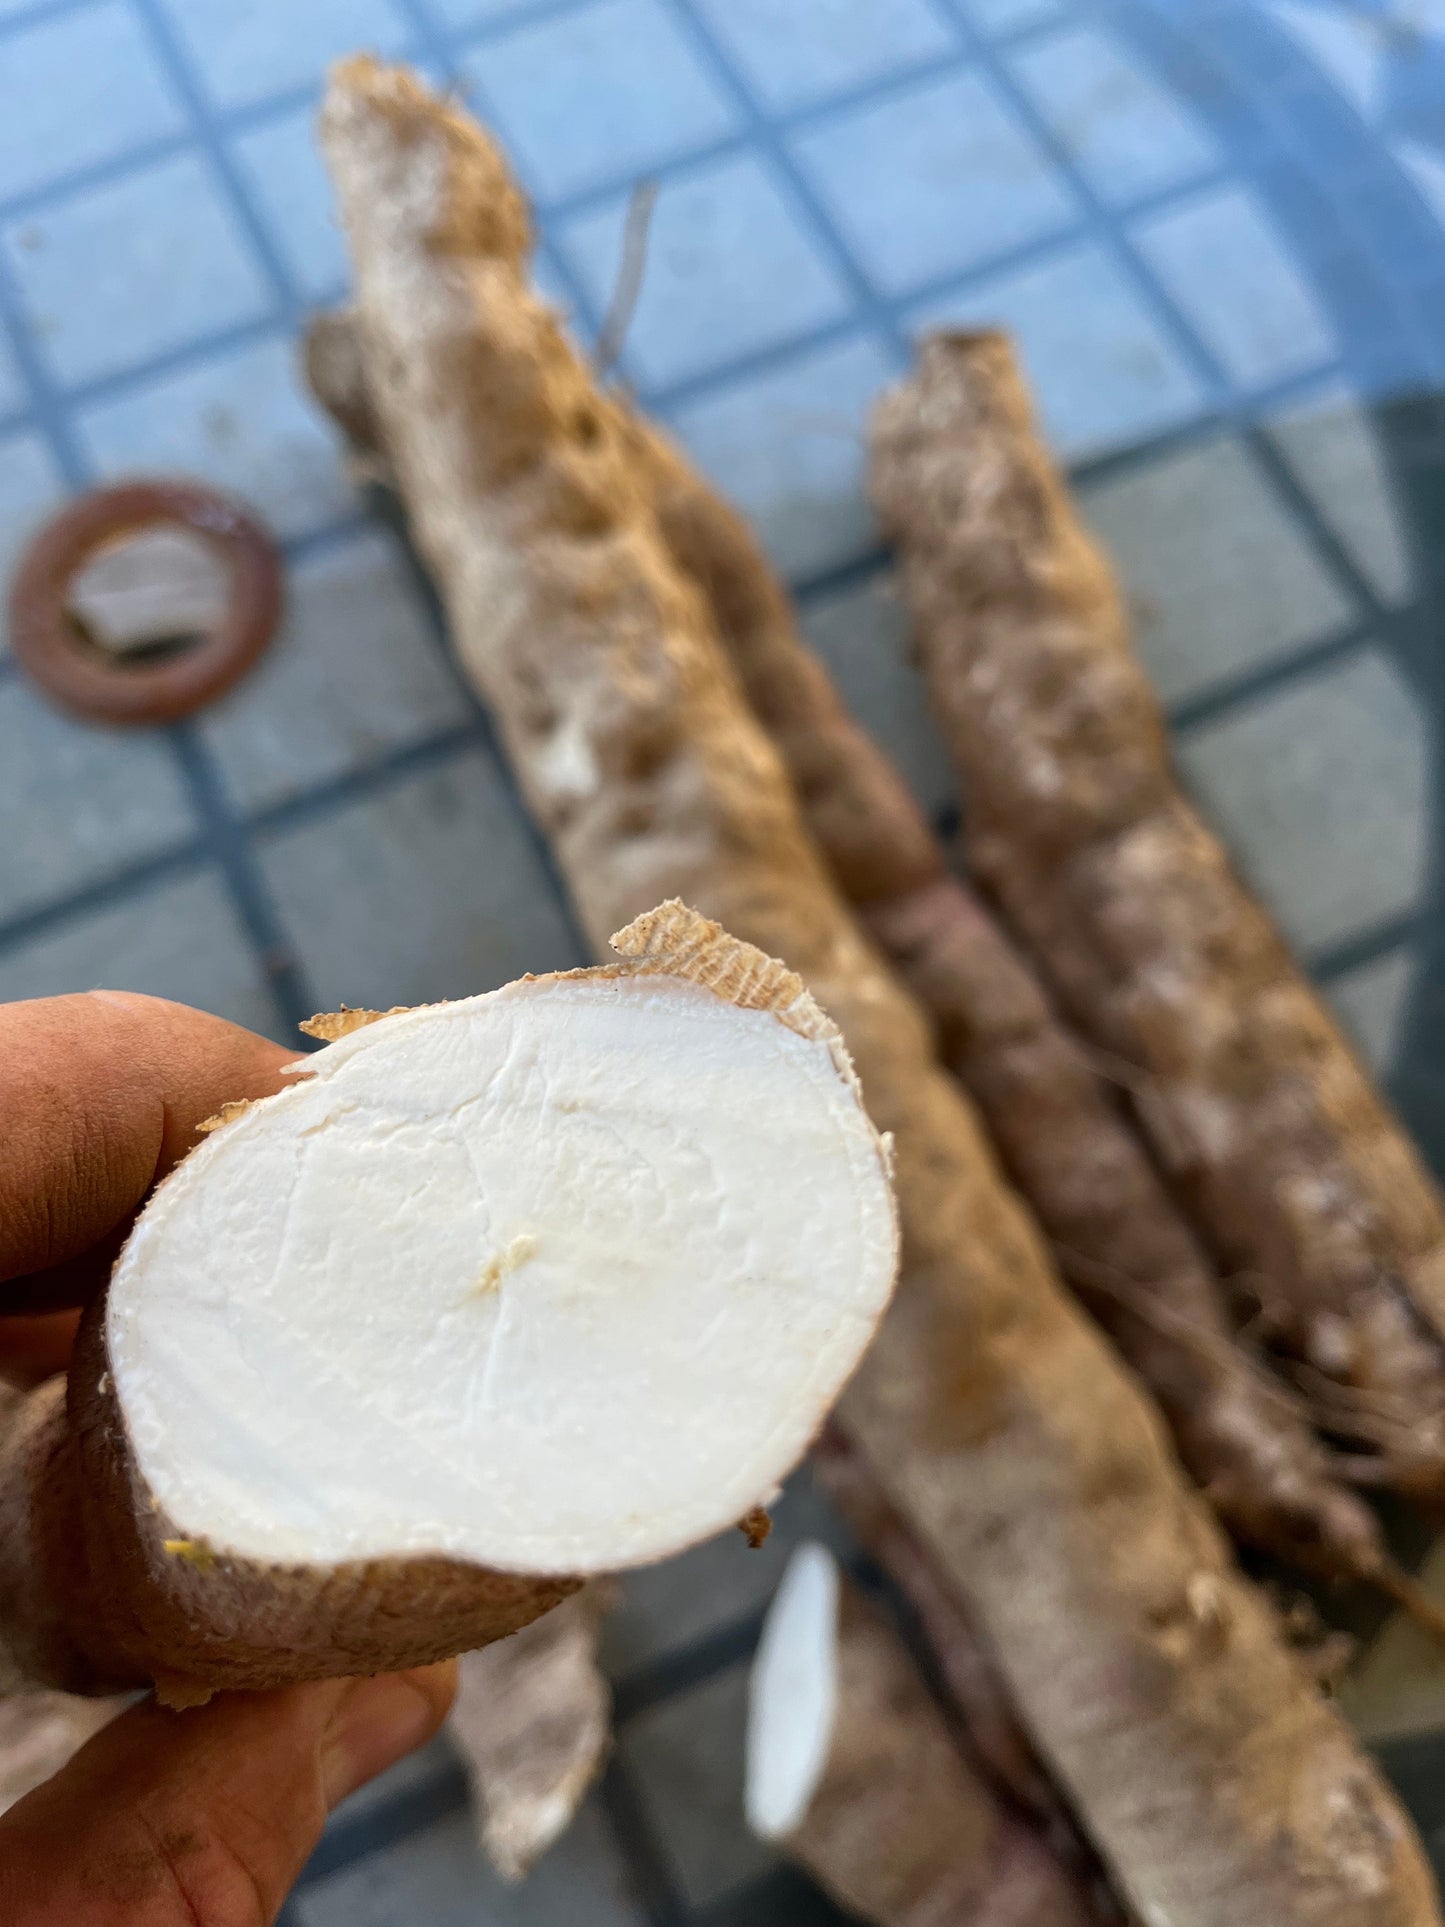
522,1247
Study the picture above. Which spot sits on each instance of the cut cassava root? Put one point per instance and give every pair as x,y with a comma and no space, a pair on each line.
1119,1239
851,1767
1219,1788
545,1282
1289,1159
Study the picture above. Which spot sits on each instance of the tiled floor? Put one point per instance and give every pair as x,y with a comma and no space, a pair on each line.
1218,229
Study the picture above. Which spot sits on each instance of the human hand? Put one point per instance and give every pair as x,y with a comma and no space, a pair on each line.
200,1818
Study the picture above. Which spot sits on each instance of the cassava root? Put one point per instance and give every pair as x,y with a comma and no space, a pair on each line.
531,1721
1217,1785
1118,1237
1289,1160
853,1770
392,1355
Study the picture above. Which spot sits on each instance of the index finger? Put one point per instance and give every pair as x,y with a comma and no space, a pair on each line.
100,1095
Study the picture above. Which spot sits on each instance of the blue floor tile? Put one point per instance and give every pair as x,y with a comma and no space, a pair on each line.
240,421
892,177
1227,269
1127,135
793,55
599,94
696,310
787,446
98,63
1106,374
247,50
460,15
30,485
1415,91
282,170
1347,46
1008,16
130,269
13,392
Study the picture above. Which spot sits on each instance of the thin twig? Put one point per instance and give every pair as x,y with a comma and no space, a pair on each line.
631,270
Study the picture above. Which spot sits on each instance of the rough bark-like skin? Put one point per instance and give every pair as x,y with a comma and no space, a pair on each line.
1118,1237
532,1723
899,1827
1289,1159
98,1592
967,1672
1219,1787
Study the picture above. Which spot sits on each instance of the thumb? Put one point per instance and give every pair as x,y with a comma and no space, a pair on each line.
204,1818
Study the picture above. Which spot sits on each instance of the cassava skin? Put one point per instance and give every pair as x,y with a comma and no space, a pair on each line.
532,1724
966,1672
1118,1237
1290,1162
553,1105
1217,1784
894,1822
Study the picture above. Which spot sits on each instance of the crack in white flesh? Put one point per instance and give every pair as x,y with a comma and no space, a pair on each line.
557,1279
792,1695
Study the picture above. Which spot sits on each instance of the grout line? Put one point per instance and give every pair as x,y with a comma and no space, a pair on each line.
1327,546
115,385
445,56
1110,225
39,14
46,408
767,138
671,1674
211,126
176,63
233,123
348,1839
496,26
355,785
271,820
1264,679
327,535
842,576
390,516
1361,947
1282,124
656,1894
890,312
1229,413
177,861
30,203
884,312
245,883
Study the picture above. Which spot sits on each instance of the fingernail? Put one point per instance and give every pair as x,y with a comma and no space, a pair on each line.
378,1723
